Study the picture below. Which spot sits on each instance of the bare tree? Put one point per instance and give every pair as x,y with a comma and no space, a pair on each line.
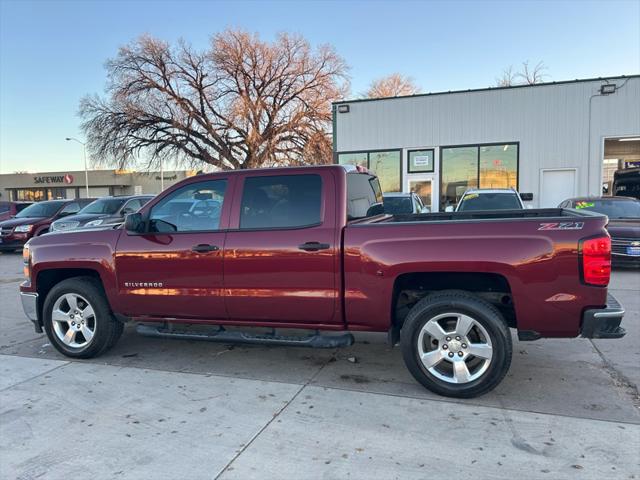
241,103
394,85
526,76
533,75
508,77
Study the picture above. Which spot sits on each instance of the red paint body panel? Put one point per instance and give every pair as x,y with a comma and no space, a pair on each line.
262,278
536,267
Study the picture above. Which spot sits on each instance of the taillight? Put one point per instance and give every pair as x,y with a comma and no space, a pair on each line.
596,260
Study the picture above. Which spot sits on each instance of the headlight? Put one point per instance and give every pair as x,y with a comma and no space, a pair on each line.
23,228
94,223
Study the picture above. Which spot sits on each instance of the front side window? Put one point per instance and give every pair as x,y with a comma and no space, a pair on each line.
70,209
194,207
284,201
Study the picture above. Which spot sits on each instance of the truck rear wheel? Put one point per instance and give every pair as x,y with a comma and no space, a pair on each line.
456,344
78,320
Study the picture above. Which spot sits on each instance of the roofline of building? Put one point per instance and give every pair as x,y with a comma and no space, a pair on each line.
487,89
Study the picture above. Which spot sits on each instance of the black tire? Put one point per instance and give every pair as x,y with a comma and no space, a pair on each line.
485,314
107,328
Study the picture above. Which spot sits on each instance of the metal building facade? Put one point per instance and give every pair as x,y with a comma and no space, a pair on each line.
557,127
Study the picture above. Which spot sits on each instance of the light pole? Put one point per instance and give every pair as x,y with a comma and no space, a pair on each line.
84,151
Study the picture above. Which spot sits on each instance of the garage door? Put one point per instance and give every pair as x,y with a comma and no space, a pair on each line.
556,186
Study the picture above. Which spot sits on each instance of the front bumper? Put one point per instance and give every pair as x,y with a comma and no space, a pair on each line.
603,322
13,241
30,307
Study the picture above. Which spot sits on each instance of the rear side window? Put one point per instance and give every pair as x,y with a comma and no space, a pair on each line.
284,201
364,196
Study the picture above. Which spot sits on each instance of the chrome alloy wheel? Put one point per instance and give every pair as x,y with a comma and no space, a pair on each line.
455,348
74,321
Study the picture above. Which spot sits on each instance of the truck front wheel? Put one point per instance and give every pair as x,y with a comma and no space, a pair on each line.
456,344
78,320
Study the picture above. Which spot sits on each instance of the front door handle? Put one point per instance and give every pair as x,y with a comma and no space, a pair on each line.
314,246
204,248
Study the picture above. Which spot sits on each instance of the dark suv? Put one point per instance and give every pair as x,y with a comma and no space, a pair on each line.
106,211
35,220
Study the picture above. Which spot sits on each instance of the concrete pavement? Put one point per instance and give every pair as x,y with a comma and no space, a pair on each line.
174,409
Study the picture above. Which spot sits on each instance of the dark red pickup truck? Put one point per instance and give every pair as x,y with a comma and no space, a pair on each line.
311,248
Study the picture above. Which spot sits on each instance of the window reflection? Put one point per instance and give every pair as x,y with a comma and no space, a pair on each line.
386,166
499,166
422,188
459,172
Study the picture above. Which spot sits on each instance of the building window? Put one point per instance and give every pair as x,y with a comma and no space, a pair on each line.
420,161
355,159
484,166
499,166
386,165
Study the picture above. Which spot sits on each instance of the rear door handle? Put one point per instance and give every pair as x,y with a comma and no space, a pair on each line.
314,246
204,248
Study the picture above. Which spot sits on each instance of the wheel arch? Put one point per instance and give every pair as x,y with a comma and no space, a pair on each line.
410,287
46,279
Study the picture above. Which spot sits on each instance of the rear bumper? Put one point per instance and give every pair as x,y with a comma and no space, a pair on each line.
30,307
603,322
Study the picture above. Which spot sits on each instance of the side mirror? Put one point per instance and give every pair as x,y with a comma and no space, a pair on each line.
449,208
133,223
66,214
126,211
526,197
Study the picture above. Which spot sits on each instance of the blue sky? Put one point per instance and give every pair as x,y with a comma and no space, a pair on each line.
52,52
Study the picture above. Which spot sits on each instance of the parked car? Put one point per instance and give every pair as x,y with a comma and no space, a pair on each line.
308,248
397,203
626,183
35,220
623,226
477,199
11,209
105,211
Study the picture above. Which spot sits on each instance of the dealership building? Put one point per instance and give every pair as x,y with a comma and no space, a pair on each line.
71,184
554,140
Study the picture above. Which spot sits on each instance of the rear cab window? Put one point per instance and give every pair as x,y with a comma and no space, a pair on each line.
281,201
364,196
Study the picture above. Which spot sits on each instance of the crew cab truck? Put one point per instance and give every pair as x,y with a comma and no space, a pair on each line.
311,248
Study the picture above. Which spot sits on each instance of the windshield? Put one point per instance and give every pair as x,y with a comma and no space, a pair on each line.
42,209
107,206
611,208
397,205
489,201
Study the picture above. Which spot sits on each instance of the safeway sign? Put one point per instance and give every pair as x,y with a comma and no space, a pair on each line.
66,178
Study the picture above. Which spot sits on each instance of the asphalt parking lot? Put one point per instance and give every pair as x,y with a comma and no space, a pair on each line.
158,409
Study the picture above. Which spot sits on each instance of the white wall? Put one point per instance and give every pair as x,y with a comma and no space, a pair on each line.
551,122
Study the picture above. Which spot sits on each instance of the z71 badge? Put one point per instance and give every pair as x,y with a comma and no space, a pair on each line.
561,226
